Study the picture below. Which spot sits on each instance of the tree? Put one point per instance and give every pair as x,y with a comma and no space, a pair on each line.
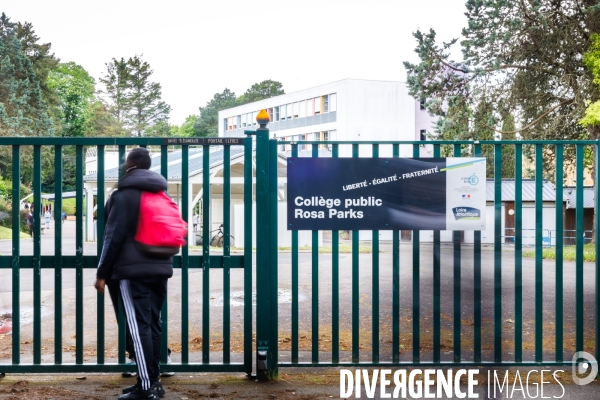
42,60
207,123
135,101
101,122
116,83
591,59
187,128
75,90
144,97
23,111
522,58
260,91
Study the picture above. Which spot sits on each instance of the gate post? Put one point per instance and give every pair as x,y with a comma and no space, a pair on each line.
266,269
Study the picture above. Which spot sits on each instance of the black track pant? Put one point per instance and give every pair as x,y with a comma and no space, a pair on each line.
143,301
115,293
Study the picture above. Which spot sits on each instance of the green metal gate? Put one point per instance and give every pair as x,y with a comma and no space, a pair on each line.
222,262
491,343
483,303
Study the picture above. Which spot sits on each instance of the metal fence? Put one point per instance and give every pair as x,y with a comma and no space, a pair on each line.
223,260
399,304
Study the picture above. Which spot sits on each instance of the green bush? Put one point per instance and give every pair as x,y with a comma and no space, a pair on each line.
6,216
6,190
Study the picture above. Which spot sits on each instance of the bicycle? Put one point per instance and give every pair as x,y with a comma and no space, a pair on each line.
217,240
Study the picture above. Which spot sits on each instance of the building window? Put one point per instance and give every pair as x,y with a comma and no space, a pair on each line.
302,109
288,111
332,102
224,124
270,112
238,122
423,104
317,105
326,103
423,134
276,112
296,113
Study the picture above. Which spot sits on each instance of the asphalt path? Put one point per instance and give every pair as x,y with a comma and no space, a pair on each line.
322,299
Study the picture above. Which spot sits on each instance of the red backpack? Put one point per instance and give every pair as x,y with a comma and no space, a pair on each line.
160,230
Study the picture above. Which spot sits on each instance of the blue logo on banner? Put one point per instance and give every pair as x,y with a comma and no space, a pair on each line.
473,180
468,213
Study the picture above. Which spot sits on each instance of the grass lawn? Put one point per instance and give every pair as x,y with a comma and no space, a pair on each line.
6,233
589,253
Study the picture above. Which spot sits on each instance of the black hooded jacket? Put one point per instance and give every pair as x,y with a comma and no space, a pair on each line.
120,257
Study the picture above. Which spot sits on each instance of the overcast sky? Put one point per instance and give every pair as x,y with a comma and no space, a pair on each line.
199,48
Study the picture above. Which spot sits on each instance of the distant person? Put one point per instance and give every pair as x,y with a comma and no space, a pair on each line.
47,217
29,220
195,221
63,216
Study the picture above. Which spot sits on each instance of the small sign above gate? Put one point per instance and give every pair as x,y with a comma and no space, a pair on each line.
201,141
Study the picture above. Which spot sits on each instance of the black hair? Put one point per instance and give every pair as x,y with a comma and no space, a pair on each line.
138,158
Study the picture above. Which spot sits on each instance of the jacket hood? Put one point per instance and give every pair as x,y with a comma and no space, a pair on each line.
144,179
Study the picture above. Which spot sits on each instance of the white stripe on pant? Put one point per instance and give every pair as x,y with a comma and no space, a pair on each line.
140,358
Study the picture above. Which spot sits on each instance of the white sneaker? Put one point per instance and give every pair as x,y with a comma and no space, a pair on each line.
168,373
128,374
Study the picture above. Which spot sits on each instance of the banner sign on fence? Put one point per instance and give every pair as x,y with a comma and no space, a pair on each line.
386,193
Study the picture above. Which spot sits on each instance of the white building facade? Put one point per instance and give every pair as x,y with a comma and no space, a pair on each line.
346,110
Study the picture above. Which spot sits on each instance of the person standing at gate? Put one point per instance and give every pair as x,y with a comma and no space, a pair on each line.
47,216
142,278
29,219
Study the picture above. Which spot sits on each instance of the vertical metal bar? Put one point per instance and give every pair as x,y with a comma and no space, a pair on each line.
597,244
16,253
457,276
79,254
436,285
58,178
539,181
559,253
226,254
497,253
355,285
477,286
295,316
248,229
315,285
99,242
375,284
518,233
335,285
185,286
273,260
395,284
579,321
416,285
37,250
205,254
120,308
164,312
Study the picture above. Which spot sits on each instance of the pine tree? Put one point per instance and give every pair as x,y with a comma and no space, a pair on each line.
116,83
42,60
144,99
